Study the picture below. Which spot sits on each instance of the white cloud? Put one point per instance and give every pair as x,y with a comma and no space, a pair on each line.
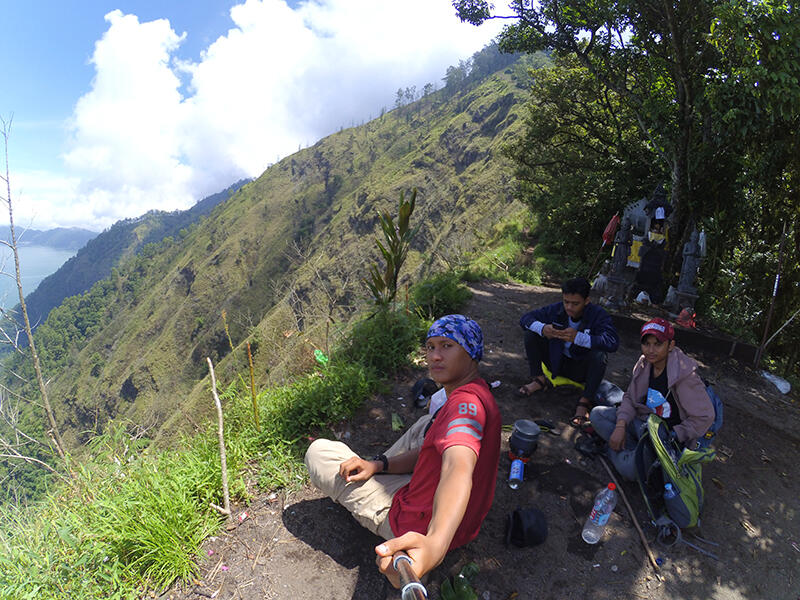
279,78
125,145
39,197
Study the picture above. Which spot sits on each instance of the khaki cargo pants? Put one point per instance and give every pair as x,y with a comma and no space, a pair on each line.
368,501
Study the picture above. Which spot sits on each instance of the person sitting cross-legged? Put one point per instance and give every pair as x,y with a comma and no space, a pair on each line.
571,338
430,492
664,381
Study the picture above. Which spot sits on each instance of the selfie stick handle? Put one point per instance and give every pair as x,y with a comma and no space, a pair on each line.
410,586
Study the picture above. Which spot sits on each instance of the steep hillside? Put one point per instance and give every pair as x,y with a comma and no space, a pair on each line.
95,260
281,256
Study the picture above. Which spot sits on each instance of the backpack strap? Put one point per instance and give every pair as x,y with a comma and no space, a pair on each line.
668,534
716,402
643,460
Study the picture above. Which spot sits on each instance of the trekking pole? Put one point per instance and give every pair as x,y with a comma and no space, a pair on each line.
763,344
650,556
781,328
411,587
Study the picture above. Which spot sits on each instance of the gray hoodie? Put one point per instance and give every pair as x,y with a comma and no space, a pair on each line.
688,391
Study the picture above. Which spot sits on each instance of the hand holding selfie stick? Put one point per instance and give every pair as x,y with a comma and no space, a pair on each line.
410,586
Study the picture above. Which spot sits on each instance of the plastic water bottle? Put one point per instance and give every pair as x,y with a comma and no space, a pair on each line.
669,491
516,473
604,504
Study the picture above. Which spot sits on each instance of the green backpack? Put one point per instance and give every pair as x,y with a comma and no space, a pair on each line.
659,460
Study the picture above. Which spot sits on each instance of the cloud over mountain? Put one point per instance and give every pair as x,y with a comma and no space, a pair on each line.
155,131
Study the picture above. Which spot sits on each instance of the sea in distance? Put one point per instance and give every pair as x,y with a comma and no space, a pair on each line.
35,263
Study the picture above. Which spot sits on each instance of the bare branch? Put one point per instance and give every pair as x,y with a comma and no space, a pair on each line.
10,414
13,343
15,455
54,431
226,497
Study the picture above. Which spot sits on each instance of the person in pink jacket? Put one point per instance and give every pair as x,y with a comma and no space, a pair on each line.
664,381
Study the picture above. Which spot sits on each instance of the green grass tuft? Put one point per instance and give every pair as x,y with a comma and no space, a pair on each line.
440,295
383,341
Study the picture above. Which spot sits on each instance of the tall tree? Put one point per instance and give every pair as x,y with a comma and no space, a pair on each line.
653,55
756,89
581,157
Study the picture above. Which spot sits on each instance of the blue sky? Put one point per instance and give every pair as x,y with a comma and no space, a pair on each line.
123,107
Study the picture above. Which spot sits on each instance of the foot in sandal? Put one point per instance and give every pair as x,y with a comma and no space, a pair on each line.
537,385
581,413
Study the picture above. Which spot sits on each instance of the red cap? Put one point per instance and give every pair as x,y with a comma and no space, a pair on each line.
612,486
661,328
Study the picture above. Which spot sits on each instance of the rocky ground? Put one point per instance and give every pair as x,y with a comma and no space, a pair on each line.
300,545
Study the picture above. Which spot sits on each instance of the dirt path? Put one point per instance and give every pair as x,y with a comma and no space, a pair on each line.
303,546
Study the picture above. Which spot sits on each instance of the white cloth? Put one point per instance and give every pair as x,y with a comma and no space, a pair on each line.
437,401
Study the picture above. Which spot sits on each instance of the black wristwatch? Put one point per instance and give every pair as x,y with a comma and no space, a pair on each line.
384,460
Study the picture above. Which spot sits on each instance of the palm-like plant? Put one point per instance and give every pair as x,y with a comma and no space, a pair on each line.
382,284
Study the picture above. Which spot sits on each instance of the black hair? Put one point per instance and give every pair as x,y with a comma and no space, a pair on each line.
578,285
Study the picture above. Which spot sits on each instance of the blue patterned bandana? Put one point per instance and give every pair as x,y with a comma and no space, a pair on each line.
463,331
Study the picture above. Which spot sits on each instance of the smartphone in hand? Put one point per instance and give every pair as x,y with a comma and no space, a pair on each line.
559,326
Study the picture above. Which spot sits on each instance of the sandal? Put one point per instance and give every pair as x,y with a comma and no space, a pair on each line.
581,418
526,390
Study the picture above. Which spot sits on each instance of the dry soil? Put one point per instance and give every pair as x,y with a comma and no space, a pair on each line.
301,545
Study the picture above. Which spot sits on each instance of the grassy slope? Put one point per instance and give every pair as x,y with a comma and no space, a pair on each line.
283,248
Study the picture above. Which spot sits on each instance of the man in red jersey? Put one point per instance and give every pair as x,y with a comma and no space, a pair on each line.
432,489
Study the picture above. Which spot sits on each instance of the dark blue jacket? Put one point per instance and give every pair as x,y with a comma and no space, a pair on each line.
595,321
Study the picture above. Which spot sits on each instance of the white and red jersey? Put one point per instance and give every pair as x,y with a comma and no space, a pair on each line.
470,417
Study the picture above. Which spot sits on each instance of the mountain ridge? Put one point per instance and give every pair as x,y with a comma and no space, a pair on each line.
278,264
60,238
102,252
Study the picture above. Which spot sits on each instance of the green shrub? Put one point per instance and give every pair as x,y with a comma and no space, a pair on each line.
127,522
440,295
559,266
316,400
383,341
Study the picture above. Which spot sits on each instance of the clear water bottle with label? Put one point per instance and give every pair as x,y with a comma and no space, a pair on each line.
604,504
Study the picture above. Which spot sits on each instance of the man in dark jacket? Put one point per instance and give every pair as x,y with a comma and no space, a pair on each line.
571,338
